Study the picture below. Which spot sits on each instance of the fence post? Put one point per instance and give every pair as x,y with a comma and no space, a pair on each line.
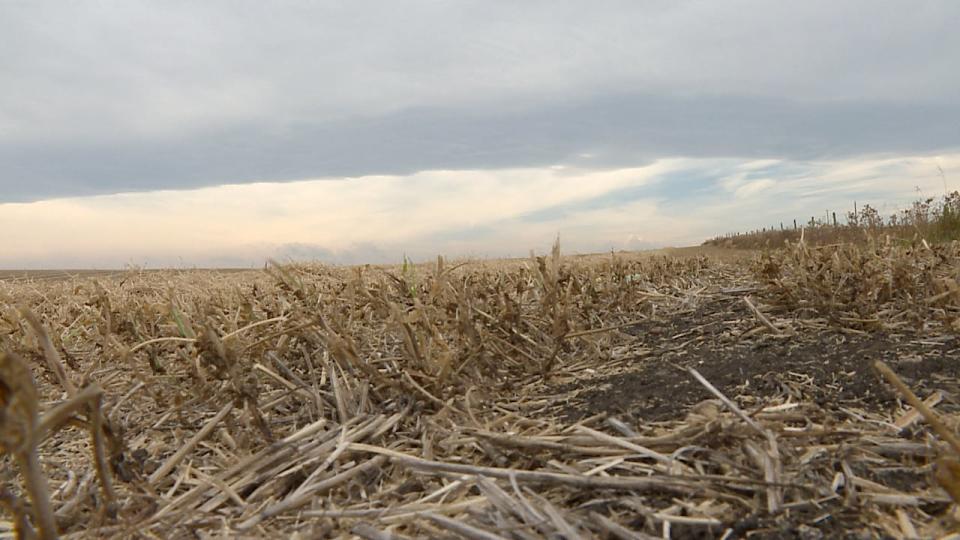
834,219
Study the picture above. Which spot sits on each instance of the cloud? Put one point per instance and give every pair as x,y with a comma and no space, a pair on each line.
619,131
752,188
134,96
479,213
373,219
360,253
224,132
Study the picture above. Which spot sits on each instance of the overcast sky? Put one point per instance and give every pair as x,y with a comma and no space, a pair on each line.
221,133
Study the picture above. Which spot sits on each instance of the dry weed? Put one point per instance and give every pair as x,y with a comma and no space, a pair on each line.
881,284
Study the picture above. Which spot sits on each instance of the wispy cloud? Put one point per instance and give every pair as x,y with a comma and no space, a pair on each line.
465,213
753,188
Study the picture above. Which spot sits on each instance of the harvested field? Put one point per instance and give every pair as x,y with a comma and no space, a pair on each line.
618,396
39,276
14,276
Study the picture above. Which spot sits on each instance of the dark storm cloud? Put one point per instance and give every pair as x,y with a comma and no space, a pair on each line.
610,131
128,96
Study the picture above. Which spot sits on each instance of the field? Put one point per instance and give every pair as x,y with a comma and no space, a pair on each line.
701,393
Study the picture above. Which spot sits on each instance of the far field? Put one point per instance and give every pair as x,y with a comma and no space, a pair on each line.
39,276
695,392
71,274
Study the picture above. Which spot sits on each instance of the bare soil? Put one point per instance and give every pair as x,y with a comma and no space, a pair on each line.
830,368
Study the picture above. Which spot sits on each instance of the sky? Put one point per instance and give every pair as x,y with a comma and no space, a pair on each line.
223,133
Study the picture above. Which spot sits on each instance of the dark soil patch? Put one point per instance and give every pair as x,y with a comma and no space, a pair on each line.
830,368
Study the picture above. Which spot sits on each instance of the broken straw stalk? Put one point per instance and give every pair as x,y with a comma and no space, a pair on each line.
427,401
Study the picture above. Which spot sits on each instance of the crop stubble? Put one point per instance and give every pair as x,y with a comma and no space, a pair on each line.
618,396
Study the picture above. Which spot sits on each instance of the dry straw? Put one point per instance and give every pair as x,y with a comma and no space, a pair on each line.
432,401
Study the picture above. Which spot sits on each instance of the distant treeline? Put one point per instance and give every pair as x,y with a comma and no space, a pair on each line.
933,219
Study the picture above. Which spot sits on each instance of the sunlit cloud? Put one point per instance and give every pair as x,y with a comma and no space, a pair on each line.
485,213
753,188
346,219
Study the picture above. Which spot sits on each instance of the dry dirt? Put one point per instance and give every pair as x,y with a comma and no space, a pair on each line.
831,368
